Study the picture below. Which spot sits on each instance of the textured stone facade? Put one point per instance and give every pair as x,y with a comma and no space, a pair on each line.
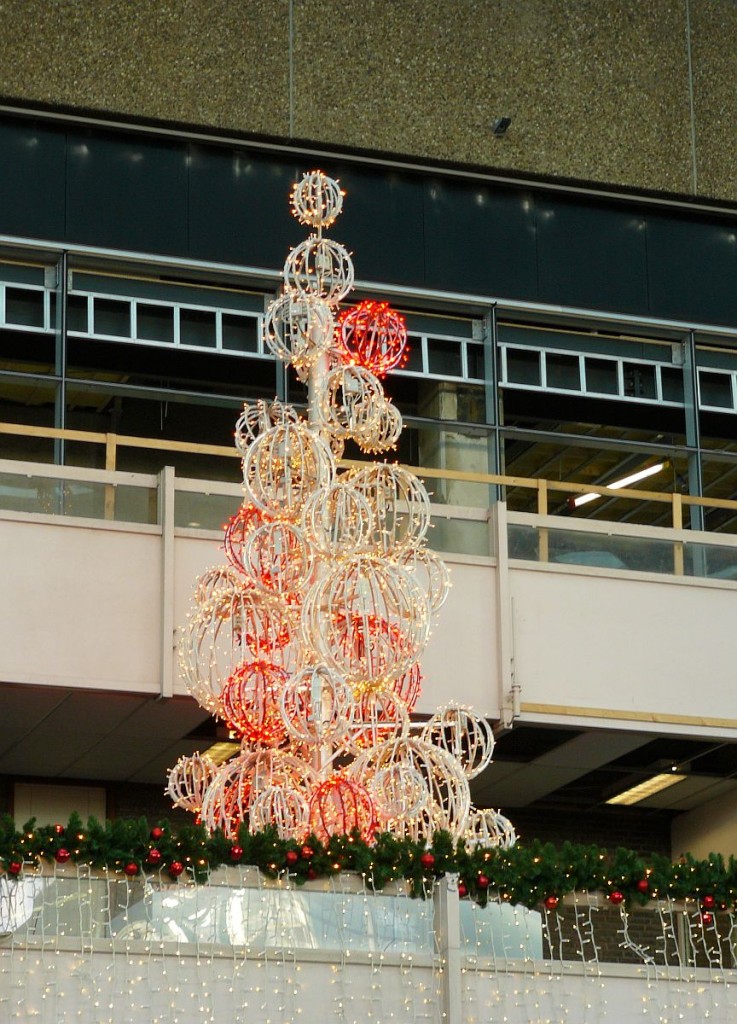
628,93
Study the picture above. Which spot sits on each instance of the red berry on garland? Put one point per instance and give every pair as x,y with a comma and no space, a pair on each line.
707,917
427,859
62,856
708,902
291,856
176,868
59,829
236,852
154,856
15,867
131,869
157,833
616,897
307,852
483,882
551,902
462,889
643,886
311,874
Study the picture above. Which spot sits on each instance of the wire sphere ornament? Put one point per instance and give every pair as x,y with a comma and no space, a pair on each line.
317,200
449,803
217,585
284,466
188,780
278,558
298,328
374,335
400,502
259,417
236,625
341,806
338,520
238,529
377,716
487,827
281,807
225,804
319,267
407,686
398,792
249,703
352,402
368,619
316,706
431,572
466,735
385,433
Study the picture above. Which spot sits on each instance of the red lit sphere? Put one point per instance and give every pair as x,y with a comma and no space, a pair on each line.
483,882
307,852
708,902
340,806
707,917
154,856
462,889
291,856
62,856
643,885
59,829
175,868
427,859
249,703
15,867
616,897
311,874
372,335
236,852
239,528
551,902
157,832
131,869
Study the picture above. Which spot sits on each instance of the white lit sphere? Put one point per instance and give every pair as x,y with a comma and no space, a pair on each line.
466,735
398,791
236,626
188,780
284,466
278,558
319,267
338,520
352,402
225,804
487,827
282,807
317,200
258,417
316,706
376,717
368,619
298,328
431,572
400,502
385,433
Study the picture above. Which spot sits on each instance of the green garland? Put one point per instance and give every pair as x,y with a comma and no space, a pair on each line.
527,874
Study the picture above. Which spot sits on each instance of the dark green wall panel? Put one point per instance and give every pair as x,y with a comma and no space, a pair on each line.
126,192
591,254
480,239
32,176
693,268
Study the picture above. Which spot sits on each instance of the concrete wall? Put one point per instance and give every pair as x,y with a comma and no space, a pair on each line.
710,828
630,93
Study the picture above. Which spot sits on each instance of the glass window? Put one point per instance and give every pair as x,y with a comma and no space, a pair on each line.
155,323
197,327
112,317
24,307
240,333
562,371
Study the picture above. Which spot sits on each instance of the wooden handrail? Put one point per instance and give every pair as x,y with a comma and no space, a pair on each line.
541,485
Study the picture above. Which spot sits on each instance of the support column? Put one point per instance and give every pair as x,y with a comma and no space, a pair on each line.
167,640
447,917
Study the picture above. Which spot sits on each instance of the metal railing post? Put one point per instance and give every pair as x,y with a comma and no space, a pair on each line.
447,917
167,494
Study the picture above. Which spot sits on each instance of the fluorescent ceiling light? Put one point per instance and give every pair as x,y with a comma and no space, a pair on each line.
649,787
221,752
633,478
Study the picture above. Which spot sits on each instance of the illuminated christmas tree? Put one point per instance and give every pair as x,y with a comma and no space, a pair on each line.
307,643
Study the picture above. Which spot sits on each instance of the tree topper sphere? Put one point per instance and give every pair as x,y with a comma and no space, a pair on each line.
317,200
374,335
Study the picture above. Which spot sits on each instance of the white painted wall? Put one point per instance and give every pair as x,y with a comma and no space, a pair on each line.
709,828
